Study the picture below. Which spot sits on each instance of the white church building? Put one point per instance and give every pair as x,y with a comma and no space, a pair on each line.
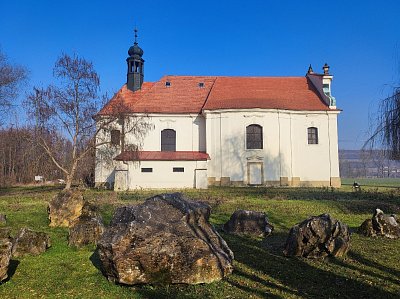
223,131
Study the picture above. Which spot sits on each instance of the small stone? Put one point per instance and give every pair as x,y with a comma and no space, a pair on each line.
318,237
367,229
30,242
243,222
381,224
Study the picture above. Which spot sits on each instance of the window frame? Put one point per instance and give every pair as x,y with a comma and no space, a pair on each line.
253,135
312,135
168,146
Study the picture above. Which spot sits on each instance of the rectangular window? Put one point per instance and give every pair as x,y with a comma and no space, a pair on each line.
147,169
178,169
312,135
115,137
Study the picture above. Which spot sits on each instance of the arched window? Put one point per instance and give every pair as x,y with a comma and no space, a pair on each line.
168,140
312,135
254,137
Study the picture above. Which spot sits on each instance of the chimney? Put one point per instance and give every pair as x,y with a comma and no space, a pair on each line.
326,69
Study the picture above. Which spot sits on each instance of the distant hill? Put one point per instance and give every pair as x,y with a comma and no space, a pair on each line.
372,163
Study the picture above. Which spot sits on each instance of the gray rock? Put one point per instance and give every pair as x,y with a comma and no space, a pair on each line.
318,237
5,257
30,242
367,229
87,230
253,223
65,208
167,239
381,224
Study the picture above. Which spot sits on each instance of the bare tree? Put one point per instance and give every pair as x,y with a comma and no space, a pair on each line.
69,108
11,78
386,130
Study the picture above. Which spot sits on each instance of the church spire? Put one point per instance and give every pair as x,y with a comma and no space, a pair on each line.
135,64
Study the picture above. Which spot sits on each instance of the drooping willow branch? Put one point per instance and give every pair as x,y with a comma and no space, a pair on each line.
387,127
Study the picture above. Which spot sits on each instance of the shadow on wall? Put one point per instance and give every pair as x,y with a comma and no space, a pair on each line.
236,157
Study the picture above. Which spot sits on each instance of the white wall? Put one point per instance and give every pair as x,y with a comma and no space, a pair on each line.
190,128
285,153
190,136
162,175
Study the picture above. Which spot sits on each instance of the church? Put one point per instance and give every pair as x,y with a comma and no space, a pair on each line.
222,131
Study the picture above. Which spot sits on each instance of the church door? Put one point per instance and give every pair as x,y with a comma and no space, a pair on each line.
255,174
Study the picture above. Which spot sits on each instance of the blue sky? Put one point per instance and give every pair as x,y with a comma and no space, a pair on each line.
360,40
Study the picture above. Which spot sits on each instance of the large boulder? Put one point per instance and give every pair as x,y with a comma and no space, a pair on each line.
30,242
167,239
5,257
87,230
65,208
252,223
318,237
381,224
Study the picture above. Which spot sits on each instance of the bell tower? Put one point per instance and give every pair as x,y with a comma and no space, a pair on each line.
135,64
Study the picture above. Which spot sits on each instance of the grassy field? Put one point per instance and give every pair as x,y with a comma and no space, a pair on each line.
373,182
370,270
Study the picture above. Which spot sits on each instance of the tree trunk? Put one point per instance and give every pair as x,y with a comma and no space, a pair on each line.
71,175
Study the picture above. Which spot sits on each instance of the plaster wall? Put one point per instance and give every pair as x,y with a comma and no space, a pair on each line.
286,152
162,175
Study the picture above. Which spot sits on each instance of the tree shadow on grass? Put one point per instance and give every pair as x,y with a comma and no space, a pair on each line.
297,275
362,260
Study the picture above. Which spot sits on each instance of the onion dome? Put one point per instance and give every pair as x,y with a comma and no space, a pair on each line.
135,50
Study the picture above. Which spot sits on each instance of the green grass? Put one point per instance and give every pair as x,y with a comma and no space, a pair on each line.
373,182
370,270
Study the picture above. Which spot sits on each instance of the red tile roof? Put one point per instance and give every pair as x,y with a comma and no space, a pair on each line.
184,95
124,99
289,93
162,156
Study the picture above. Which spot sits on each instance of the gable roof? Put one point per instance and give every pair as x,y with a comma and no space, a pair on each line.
183,94
288,93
